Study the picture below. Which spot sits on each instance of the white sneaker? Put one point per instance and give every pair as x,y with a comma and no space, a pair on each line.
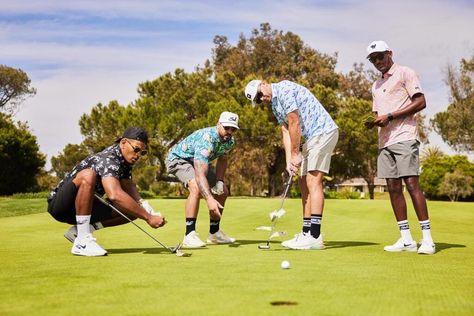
307,242
289,242
219,238
401,246
87,246
192,240
71,233
427,247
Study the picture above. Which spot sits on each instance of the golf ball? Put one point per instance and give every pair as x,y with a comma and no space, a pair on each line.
285,264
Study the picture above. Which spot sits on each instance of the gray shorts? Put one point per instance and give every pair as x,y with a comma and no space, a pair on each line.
317,152
184,171
399,160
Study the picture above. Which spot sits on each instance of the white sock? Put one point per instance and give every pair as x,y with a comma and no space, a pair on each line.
405,231
426,230
83,228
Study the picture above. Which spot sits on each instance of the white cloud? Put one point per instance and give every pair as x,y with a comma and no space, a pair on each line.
83,52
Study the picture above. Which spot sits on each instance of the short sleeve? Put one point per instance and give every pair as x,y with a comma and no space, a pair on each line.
412,82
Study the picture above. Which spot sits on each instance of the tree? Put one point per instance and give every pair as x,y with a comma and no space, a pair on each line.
435,165
357,148
456,185
455,125
14,88
64,162
20,158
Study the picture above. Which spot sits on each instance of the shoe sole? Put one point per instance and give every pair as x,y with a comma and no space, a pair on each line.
88,255
426,252
219,243
307,248
192,246
401,250
71,240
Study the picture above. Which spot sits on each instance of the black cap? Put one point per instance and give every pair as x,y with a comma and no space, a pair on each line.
136,133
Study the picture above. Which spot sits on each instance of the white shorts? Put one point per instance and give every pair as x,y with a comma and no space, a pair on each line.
317,152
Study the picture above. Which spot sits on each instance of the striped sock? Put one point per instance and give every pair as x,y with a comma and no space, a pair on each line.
306,224
405,231
316,225
426,230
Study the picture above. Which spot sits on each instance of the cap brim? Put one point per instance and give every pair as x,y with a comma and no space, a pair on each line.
230,125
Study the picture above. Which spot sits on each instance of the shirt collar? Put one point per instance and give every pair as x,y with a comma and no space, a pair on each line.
390,71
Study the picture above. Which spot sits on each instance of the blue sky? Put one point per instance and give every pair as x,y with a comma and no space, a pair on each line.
80,53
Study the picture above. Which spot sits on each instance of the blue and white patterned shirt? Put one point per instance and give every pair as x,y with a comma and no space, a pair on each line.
204,144
288,96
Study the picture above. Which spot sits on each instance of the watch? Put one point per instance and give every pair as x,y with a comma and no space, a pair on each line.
390,116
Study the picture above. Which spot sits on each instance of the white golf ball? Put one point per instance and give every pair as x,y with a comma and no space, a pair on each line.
285,264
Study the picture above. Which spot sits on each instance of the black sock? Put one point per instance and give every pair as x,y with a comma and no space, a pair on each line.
306,224
316,225
214,226
190,224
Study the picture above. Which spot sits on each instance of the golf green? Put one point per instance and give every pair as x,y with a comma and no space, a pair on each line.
352,276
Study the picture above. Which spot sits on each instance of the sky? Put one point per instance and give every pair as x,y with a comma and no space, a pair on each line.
81,53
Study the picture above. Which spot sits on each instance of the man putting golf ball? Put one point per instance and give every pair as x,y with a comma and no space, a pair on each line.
285,264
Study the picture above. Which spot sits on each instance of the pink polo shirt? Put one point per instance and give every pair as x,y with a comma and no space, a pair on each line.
393,92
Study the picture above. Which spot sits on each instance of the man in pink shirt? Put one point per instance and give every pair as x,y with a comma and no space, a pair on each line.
397,97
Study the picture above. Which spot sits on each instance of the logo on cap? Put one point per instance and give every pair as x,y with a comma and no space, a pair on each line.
373,46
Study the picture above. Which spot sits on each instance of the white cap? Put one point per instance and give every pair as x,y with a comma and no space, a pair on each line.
251,90
229,119
377,46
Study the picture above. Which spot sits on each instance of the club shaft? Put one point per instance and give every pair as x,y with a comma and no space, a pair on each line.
287,187
126,217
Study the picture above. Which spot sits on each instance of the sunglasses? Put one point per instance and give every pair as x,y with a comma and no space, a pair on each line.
375,57
137,150
258,97
230,128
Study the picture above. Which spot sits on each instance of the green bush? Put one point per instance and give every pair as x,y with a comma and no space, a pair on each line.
147,195
30,195
344,194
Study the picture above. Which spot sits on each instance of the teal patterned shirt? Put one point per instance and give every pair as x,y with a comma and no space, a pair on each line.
203,145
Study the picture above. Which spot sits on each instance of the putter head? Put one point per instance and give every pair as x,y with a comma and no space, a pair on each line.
277,214
177,250
263,246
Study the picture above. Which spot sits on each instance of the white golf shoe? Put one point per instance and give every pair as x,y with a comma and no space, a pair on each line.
307,242
400,245
192,240
71,233
88,247
289,242
427,247
219,238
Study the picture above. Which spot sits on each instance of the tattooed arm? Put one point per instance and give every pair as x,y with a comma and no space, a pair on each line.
201,168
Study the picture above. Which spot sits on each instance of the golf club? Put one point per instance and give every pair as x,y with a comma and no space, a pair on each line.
176,250
274,220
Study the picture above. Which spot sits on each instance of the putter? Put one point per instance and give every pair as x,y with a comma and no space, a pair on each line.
275,220
176,250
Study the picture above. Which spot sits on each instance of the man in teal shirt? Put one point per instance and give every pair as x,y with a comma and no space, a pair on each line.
189,161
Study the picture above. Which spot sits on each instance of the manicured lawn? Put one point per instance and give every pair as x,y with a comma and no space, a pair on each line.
353,276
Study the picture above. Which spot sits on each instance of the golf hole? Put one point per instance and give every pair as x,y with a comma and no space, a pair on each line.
279,303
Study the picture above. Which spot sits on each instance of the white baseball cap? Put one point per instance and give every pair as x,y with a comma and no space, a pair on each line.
251,90
229,119
377,46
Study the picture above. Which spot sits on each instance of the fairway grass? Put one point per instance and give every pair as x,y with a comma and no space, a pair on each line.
352,276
